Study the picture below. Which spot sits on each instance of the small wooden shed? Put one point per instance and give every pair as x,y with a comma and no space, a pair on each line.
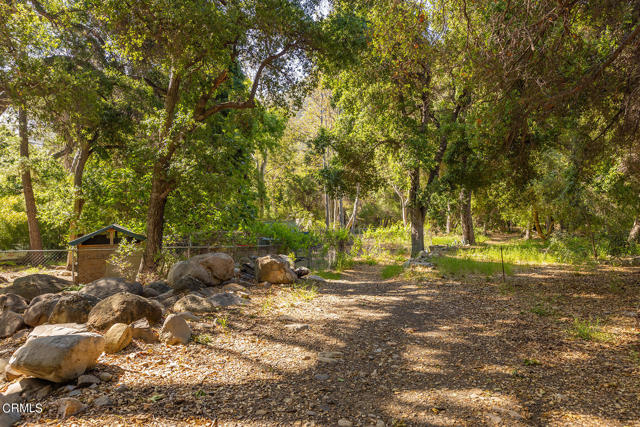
95,249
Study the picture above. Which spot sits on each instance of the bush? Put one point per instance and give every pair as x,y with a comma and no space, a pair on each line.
391,271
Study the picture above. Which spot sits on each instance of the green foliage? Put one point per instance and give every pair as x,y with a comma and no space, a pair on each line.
390,271
461,266
330,275
284,234
589,330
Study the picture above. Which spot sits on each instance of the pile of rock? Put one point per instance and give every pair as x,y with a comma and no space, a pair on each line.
424,258
73,328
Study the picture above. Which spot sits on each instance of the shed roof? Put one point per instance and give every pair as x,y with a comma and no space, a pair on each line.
102,230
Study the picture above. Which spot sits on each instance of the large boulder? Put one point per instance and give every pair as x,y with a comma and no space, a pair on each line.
58,358
275,269
117,337
13,302
188,284
40,309
194,304
188,268
29,287
59,329
105,287
155,289
220,266
123,308
10,323
175,330
73,308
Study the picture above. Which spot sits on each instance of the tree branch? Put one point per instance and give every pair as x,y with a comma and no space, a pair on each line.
250,101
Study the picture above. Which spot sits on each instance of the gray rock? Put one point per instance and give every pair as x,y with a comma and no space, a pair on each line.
58,358
188,284
175,330
40,309
87,380
10,323
29,287
220,265
194,304
140,329
73,308
343,422
159,286
58,329
187,268
225,299
275,269
13,302
101,401
122,308
321,377
106,287
315,278
187,315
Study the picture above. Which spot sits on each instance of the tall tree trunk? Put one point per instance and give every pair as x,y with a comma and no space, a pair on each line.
78,197
536,223
635,231
527,231
262,166
448,225
466,220
35,240
352,221
416,213
327,211
161,186
160,189
341,213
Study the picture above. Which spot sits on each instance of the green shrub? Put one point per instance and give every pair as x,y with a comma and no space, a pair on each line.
390,271
589,330
330,275
452,265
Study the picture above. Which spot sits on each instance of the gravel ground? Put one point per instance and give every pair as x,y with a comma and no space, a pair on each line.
412,352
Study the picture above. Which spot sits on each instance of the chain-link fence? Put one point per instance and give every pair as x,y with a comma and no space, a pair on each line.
103,260
35,258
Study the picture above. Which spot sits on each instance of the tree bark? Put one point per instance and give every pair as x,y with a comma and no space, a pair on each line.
466,219
536,223
416,213
161,186
352,221
160,189
448,225
527,232
341,213
78,196
35,240
634,233
327,212
262,198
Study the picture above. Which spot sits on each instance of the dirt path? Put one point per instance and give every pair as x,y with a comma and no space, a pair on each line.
436,353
